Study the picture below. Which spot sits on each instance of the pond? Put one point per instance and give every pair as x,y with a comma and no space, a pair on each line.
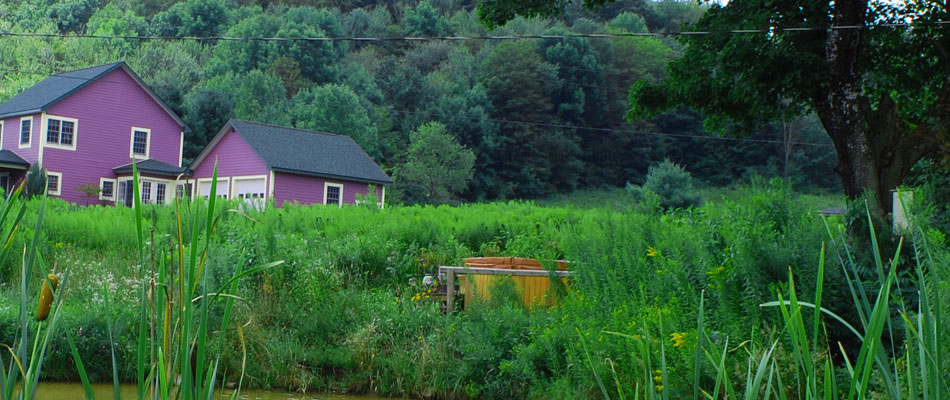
73,391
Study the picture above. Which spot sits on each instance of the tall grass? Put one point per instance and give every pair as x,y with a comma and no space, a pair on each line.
176,354
20,369
915,368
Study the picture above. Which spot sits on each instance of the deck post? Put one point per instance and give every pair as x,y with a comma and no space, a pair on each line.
449,291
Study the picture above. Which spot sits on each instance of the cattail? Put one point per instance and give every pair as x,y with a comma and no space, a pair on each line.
46,297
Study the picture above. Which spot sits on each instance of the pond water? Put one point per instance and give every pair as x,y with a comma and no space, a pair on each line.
74,391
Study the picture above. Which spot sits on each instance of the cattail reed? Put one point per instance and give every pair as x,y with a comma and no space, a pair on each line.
46,297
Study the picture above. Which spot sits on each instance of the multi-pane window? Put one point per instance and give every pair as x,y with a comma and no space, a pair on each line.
333,194
26,127
146,191
60,132
182,190
160,193
52,184
140,143
108,189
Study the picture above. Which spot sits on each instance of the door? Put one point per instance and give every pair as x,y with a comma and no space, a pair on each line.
250,191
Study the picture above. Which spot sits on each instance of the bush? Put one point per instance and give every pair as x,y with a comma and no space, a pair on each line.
673,185
35,181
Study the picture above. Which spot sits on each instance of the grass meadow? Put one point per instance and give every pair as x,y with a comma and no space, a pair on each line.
715,301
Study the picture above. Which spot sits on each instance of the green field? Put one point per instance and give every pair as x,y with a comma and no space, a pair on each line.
340,316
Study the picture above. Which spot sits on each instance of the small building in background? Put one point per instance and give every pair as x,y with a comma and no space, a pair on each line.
258,163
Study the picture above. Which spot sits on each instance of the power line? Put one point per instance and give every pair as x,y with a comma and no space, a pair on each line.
504,121
770,30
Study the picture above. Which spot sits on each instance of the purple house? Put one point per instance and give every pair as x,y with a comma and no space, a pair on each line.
86,127
258,162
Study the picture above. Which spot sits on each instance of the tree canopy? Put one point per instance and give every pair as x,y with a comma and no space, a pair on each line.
880,91
542,116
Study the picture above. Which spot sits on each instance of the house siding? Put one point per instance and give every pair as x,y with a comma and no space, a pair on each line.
305,189
234,156
106,111
11,137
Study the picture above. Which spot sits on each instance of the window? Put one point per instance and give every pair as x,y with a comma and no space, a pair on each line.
146,191
182,190
1,134
106,189
160,193
126,193
61,131
54,183
140,142
333,194
26,130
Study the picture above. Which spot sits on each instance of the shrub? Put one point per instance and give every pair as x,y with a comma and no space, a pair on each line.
35,181
673,184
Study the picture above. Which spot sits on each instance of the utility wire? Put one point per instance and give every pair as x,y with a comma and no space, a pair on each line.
770,30
503,121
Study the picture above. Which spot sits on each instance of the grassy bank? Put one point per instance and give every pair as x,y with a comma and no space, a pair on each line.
340,315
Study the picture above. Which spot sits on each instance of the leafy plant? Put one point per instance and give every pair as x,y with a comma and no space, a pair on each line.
673,185
35,181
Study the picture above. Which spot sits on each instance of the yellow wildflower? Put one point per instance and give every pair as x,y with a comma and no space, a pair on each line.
678,339
716,271
651,252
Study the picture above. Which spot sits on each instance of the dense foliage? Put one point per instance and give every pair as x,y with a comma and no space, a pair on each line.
339,314
542,116
876,84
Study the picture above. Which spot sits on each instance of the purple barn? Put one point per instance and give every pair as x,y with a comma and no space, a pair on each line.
259,162
86,127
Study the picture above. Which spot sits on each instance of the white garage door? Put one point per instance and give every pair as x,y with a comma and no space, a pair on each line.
204,188
250,190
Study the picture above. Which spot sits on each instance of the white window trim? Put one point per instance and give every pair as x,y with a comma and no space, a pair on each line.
59,186
19,133
226,179
148,143
45,132
339,202
1,134
115,188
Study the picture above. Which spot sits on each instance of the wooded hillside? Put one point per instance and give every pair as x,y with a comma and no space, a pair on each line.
541,116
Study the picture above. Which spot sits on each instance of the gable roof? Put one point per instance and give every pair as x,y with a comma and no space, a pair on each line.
49,91
304,152
10,158
153,167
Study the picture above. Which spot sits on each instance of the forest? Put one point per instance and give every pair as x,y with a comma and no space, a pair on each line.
541,116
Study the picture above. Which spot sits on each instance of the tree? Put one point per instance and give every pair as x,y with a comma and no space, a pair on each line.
534,159
856,80
335,109
880,124
438,163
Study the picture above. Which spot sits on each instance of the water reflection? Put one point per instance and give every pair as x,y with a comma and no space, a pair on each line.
74,391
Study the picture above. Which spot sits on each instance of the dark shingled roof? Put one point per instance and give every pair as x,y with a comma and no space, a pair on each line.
9,157
153,167
51,90
310,153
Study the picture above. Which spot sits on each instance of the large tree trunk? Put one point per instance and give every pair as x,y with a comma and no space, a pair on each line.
875,149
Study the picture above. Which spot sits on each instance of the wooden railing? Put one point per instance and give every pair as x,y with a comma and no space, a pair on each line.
451,272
